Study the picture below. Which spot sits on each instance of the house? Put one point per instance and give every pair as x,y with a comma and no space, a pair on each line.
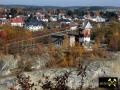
17,21
73,37
85,32
40,15
34,25
119,17
68,17
98,19
65,21
82,35
53,18
73,26
86,17
44,19
58,39
3,20
72,40
61,16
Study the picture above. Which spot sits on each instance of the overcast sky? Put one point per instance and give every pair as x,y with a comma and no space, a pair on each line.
63,2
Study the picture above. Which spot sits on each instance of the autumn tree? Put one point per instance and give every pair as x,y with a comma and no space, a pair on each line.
71,54
4,37
114,43
52,53
12,35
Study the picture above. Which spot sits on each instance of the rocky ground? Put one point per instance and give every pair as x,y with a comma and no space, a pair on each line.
94,70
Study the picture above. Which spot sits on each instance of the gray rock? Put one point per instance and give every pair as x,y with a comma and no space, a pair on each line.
7,63
94,70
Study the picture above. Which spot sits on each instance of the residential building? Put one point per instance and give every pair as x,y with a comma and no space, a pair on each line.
65,21
53,18
85,32
119,17
34,25
73,26
17,21
3,20
73,37
98,19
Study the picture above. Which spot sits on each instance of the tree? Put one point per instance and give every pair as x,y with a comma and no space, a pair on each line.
14,35
4,38
108,34
114,43
52,53
110,15
13,12
70,13
92,13
79,12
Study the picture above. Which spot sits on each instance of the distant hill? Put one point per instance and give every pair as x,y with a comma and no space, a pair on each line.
57,7
27,6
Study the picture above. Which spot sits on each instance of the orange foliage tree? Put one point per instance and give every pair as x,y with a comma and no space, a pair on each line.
14,34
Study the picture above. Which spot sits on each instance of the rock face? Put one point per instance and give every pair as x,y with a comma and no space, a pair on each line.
6,64
10,62
40,61
6,83
93,71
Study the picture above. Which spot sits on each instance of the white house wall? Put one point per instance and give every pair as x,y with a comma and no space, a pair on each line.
35,28
44,20
73,28
53,19
17,24
72,40
84,39
119,18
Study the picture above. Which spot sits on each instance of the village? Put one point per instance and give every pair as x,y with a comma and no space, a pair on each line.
58,48
62,22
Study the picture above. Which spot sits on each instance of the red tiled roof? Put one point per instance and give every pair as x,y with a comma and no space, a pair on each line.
17,20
